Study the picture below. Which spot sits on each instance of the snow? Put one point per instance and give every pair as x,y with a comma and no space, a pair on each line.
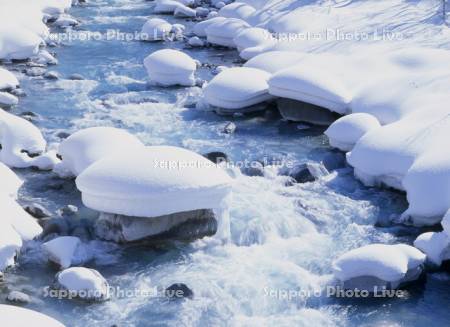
166,6
200,28
62,250
170,67
10,182
436,245
7,79
237,88
274,61
345,132
88,284
184,11
155,29
158,180
223,32
83,148
386,262
237,10
7,99
253,41
10,244
16,316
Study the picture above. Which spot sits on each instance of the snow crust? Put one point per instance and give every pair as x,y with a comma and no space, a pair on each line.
158,180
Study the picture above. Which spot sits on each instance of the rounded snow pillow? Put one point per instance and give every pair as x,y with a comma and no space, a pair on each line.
200,28
237,10
237,88
153,181
155,29
170,67
434,245
253,37
84,283
86,146
165,6
446,222
7,80
386,262
345,132
223,32
62,250
311,84
21,317
274,61
10,181
10,244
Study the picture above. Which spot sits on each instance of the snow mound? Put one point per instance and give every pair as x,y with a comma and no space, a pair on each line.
158,180
223,32
86,284
83,148
21,317
253,41
166,6
435,245
10,244
200,28
274,61
155,29
346,131
237,10
10,182
7,80
170,67
63,251
8,100
237,88
389,263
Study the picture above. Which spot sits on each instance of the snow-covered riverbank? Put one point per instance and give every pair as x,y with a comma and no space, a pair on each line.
278,233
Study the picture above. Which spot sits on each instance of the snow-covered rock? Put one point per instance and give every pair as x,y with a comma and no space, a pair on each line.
83,283
195,41
200,28
10,182
155,29
346,131
20,317
65,251
158,180
274,61
7,80
184,12
170,67
237,10
222,32
378,265
436,245
89,145
237,88
8,100
253,41
166,6
10,244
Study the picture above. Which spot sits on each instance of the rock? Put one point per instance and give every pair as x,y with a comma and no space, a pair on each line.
256,168
308,172
178,291
18,297
63,135
2,277
184,12
8,100
299,111
76,77
57,226
202,12
195,41
44,57
64,251
83,283
52,75
229,128
35,71
37,211
18,92
334,160
216,157
220,5
68,210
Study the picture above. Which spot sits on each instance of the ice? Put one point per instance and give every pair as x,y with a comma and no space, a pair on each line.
237,10
83,148
170,67
10,182
346,131
386,262
223,32
87,284
158,180
16,316
237,88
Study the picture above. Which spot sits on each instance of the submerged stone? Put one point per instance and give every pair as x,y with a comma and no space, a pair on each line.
299,111
179,291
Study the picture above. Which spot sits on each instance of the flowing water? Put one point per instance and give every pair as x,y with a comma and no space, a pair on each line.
283,237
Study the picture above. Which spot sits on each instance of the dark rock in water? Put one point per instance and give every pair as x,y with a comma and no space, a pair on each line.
229,128
186,225
334,160
178,291
18,297
31,154
63,135
299,111
18,92
2,277
57,226
37,211
68,210
51,75
256,168
308,172
216,157
76,77
35,71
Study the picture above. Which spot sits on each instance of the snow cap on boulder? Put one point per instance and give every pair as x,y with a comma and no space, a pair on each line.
86,284
155,29
25,317
223,32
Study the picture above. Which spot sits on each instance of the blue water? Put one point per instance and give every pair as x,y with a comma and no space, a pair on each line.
283,237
